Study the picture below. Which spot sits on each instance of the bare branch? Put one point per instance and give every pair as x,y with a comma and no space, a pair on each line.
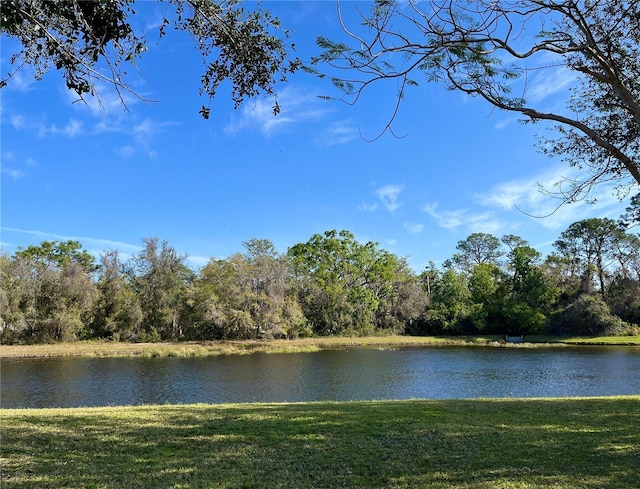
467,46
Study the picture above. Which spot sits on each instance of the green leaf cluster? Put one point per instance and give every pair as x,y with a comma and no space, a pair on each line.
92,42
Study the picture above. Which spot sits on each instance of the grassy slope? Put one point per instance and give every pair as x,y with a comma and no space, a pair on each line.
100,349
560,443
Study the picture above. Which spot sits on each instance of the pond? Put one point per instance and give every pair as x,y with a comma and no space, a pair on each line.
340,375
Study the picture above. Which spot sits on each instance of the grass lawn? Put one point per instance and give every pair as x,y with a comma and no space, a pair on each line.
587,340
186,349
534,443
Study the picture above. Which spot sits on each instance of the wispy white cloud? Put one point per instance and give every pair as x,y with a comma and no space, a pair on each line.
445,219
368,207
21,81
509,205
506,195
339,132
259,116
14,173
295,106
548,82
505,122
72,129
154,21
140,132
413,228
389,195
544,83
148,128
109,125
106,103
107,113
18,121
127,151
143,134
527,196
93,115
95,246
102,244
11,165
488,222
484,222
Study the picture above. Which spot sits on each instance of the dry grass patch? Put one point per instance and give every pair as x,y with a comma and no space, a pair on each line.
182,349
206,348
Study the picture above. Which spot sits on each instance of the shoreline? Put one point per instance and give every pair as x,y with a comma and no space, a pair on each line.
243,347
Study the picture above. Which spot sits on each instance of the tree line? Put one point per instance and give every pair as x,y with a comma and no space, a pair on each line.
329,285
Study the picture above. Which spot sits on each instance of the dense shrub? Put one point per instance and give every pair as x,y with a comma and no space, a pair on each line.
623,297
588,315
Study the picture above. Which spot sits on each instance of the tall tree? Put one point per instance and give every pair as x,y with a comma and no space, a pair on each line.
57,290
450,302
161,280
224,295
483,48
529,295
342,281
403,304
275,309
631,217
12,294
247,296
59,254
561,276
523,260
626,252
485,286
623,299
118,315
590,244
476,249
94,41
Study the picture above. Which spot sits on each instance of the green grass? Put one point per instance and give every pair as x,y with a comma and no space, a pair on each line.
538,443
588,340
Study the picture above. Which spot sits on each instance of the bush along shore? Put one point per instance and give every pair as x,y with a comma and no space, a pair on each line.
508,443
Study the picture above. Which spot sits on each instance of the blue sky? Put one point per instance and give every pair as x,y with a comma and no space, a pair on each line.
108,177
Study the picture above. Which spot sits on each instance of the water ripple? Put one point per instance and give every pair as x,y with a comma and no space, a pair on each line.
357,374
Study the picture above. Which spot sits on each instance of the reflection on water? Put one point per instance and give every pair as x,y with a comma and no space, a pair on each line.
357,374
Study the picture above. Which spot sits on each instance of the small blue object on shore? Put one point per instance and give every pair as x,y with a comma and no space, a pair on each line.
514,339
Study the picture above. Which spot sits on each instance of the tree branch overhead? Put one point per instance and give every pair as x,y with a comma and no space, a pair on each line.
487,49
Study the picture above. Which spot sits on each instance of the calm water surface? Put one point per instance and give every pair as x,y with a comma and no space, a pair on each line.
357,374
